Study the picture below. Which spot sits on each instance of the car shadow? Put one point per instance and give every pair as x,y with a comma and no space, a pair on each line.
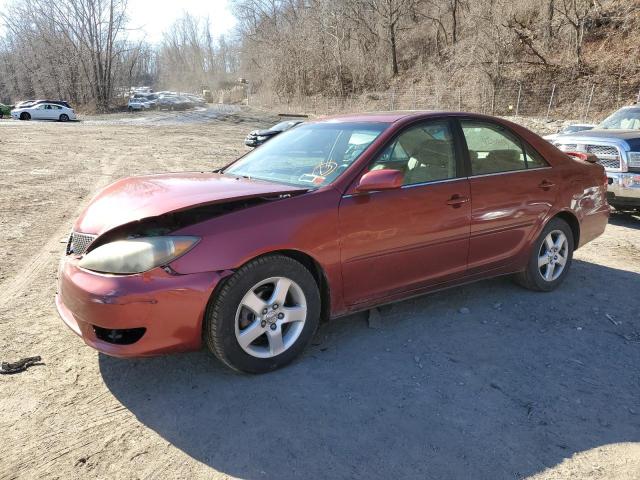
483,381
625,219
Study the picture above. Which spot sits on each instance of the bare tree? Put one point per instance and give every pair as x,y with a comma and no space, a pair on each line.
393,15
576,13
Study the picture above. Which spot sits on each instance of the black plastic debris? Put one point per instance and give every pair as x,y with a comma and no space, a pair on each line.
7,368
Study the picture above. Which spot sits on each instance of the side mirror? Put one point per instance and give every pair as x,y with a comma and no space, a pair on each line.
384,179
586,157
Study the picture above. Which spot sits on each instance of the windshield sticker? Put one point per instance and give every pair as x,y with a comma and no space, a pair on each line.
325,168
311,178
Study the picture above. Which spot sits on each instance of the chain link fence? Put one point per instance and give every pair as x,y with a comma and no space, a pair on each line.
589,102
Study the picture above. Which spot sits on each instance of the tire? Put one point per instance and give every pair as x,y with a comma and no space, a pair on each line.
25,116
227,318
130,109
533,277
64,117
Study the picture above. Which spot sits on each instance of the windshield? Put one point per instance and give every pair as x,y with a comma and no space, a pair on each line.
311,155
624,119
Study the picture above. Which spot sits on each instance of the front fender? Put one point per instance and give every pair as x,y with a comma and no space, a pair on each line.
306,223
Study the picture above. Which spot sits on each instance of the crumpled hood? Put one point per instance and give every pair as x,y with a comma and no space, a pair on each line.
137,198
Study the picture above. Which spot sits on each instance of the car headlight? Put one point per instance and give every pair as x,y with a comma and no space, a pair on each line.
634,159
136,255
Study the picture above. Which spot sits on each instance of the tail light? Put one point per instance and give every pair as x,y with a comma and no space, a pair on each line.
591,158
585,157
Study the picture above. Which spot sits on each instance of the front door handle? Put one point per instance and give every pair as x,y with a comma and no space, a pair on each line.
546,185
456,201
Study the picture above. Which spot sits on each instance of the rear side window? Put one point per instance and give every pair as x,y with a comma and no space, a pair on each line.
534,159
424,153
492,148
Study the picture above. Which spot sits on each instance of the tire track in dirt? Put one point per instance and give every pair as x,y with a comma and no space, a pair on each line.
19,282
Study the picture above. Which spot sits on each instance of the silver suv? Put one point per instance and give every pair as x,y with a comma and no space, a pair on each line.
616,143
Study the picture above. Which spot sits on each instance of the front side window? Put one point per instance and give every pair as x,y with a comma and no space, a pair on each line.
492,148
311,155
424,153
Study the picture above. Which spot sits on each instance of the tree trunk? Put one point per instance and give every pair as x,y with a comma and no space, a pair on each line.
549,29
394,54
454,22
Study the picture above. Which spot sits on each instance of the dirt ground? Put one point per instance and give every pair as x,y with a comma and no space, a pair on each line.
487,381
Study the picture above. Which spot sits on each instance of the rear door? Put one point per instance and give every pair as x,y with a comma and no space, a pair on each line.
512,189
404,239
55,112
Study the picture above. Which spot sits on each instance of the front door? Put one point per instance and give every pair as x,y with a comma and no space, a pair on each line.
40,112
512,188
400,240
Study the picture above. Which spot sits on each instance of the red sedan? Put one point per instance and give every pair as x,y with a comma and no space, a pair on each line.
331,217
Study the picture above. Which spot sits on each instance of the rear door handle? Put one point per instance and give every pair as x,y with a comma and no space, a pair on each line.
456,201
546,185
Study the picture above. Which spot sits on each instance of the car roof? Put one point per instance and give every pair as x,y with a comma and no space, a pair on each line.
407,115
386,117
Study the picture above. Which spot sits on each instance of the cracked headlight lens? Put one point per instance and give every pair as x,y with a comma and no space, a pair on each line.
136,255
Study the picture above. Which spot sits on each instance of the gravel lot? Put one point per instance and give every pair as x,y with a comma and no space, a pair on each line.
522,385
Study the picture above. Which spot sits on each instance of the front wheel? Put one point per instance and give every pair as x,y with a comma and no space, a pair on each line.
550,258
25,116
264,315
64,117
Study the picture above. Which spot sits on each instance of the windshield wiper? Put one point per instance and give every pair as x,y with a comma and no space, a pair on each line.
235,175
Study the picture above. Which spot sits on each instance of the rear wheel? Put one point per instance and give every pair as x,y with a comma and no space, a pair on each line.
264,315
550,259
64,117
25,116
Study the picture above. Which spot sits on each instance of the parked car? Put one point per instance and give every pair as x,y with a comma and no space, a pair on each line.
573,128
331,217
137,104
616,144
258,137
44,111
29,103
24,103
55,102
5,110
166,102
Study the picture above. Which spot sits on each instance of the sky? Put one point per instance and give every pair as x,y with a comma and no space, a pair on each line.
149,18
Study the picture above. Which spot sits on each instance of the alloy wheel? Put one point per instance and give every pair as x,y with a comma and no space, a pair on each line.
270,317
553,254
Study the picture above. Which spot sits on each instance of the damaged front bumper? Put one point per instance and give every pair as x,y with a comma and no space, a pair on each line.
139,315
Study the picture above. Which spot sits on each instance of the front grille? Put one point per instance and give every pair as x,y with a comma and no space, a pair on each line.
567,147
608,157
79,242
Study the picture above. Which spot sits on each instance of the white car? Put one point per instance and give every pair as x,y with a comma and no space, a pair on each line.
138,104
44,111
